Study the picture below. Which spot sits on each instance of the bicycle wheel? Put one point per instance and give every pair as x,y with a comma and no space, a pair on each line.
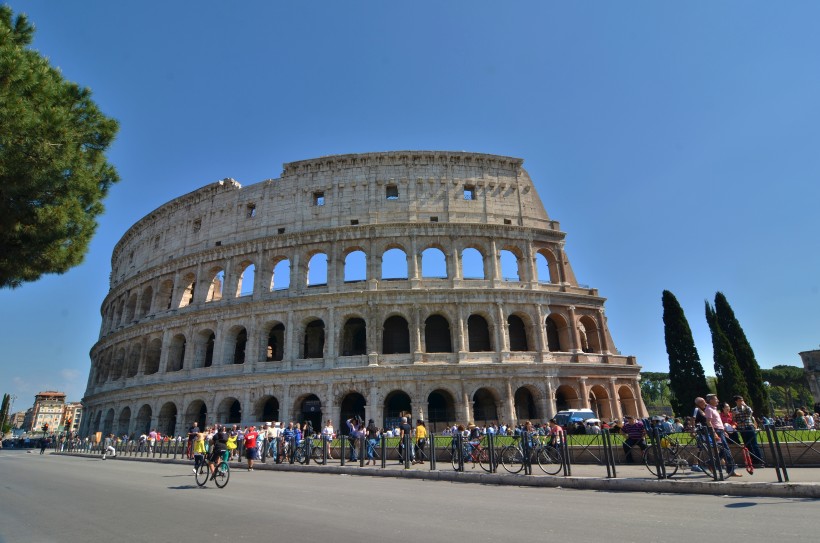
512,459
223,473
202,474
454,459
300,455
670,461
316,454
484,460
549,460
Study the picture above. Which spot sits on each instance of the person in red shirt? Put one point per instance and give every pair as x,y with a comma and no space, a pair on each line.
251,452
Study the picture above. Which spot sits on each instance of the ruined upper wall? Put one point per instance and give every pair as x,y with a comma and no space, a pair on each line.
335,191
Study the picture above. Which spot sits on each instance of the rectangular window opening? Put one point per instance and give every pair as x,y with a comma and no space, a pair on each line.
280,231
433,219
251,211
392,192
197,225
319,198
469,192
507,221
354,222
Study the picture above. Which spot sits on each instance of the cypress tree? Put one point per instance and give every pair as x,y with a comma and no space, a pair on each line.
686,377
758,395
730,380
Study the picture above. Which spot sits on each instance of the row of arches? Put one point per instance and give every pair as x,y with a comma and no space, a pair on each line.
440,408
212,282
314,338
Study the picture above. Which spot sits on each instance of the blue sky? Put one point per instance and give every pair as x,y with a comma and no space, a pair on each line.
677,143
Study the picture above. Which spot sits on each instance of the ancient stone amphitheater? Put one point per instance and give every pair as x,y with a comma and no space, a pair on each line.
422,282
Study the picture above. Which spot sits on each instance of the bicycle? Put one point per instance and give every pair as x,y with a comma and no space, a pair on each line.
220,475
548,457
672,455
474,452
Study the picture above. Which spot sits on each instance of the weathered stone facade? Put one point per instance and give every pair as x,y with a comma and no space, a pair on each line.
219,310
811,367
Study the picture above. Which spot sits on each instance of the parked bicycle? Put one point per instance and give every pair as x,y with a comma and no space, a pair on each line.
473,451
547,456
674,456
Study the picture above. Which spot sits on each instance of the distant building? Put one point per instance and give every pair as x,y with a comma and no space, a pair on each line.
17,419
49,408
811,367
73,416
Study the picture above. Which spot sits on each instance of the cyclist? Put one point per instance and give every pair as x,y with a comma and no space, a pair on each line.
219,446
199,450
555,433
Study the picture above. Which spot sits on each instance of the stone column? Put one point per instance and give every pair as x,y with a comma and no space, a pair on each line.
551,407
584,393
540,332
495,265
573,331
291,348
462,331
501,330
285,407
615,405
331,347
606,348
509,403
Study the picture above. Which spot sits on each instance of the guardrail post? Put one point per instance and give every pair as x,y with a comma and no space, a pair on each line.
432,451
343,449
308,449
292,449
777,453
565,453
383,446
491,451
609,454
660,467
525,449
362,449
408,451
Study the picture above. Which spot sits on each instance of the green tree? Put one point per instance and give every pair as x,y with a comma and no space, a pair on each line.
789,386
4,414
686,377
655,388
758,396
730,380
53,171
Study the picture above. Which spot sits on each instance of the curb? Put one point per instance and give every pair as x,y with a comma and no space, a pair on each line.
669,486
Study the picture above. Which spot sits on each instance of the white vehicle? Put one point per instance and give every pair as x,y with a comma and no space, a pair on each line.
571,416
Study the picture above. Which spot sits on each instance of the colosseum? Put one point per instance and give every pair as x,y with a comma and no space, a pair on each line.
421,282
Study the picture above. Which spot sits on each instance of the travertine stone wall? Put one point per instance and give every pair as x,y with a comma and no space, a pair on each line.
215,314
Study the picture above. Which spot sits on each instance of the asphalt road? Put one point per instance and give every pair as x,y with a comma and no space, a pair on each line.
54,498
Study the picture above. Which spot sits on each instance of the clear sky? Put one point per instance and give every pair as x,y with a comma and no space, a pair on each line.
677,143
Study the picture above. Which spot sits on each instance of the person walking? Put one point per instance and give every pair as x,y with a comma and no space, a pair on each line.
109,442
251,452
713,420
421,441
372,437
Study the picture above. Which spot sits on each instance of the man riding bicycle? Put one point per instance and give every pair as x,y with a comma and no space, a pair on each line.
219,446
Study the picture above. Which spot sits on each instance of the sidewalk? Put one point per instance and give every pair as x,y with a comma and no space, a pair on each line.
804,482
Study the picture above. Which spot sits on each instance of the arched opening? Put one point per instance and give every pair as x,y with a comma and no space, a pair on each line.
188,291
484,407
124,421
134,360
131,308
119,362
145,301
167,421
525,408
509,266
97,423
553,339
204,353
108,425
354,337
395,336
355,266
394,264
441,410
352,404
546,267
518,334
629,405
317,270
396,405
275,349
314,344
566,398
270,410
478,334
165,295
599,402
229,411
143,423
472,264
197,412
240,336
437,335
433,264
247,279
588,332
216,285
310,409
176,353
281,275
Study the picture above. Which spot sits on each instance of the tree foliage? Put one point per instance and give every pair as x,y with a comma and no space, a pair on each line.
686,377
655,388
53,171
758,397
730,380
789,387
4,414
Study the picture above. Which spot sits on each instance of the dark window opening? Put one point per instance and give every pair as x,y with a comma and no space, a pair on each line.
478,334
518,334
319,198
392,192
314,339
437,335
396,336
